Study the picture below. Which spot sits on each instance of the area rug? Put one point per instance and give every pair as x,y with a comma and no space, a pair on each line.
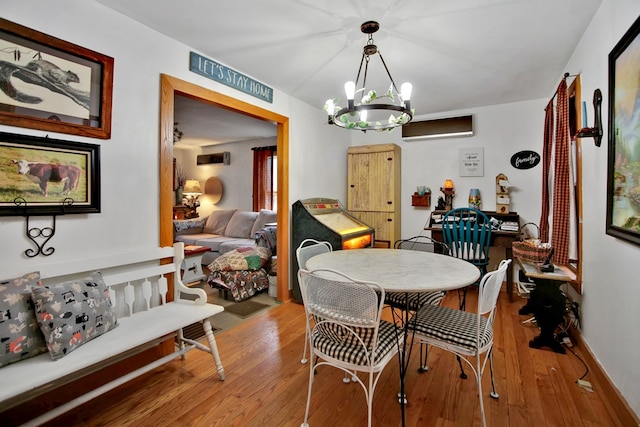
195,331
245,308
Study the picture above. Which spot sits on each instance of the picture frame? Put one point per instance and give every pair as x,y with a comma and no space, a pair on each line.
44,176
471,161
623,171
53,85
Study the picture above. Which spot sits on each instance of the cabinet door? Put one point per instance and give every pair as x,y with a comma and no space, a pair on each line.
371,181
382,222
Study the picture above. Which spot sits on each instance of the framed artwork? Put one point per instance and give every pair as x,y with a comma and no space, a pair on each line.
53,85
43,176
623,175
471,161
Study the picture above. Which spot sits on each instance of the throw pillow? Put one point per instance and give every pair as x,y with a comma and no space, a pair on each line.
241,224
217,221
72,313
20,336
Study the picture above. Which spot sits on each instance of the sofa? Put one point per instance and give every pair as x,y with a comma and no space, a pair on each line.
223,230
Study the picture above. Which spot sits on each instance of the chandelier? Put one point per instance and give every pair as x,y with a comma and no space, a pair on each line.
370,113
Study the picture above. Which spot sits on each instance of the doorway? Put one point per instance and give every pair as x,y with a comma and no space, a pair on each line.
169,87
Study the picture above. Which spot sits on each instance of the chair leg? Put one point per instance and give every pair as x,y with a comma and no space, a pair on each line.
462,373
493,394
306,411
479,384
304,353
423,360
462,297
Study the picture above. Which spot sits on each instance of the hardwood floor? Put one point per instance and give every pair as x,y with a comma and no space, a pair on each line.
267,386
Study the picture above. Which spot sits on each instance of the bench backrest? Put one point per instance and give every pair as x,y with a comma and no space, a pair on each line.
137,281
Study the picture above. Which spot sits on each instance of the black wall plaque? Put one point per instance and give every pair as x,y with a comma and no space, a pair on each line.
525,159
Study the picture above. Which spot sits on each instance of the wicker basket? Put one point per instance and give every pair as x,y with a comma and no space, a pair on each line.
527,248
528,251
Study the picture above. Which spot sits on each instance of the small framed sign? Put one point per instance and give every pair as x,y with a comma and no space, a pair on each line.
472,161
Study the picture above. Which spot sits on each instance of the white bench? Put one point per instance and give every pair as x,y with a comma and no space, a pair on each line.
138,289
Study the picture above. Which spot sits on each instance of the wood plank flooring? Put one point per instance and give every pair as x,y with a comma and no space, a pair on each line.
266,385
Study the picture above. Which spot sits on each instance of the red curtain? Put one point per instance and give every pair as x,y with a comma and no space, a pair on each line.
561,196
263,178
546,163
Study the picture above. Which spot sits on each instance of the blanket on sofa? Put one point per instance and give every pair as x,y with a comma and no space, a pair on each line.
241,272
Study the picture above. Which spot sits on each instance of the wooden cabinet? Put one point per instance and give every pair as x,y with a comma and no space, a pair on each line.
373,193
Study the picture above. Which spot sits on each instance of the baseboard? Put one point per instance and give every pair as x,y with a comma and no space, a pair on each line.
619,405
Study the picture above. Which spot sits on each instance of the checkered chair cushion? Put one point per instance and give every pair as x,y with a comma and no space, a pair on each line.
335,341
415,299
452,326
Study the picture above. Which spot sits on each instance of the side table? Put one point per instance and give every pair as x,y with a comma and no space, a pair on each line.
546,302
192,264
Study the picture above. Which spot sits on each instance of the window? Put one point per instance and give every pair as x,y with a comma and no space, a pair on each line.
265,178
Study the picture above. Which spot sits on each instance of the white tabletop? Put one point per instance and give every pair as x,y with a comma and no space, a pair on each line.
398,270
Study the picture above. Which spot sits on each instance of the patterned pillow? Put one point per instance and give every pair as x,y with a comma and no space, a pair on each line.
72,313
20,336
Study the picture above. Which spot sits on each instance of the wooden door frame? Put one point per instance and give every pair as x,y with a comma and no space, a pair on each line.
169,87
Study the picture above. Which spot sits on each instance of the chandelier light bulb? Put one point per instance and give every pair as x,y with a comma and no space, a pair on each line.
331,107
350,90
363,115
405,91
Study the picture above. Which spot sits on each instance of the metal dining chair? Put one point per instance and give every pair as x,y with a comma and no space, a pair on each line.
346,329
413,301
467,335
467,233
309,248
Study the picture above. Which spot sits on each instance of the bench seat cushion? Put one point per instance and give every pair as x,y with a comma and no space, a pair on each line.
133,332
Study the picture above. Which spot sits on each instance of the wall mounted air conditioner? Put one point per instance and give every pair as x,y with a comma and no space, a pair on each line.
206,159
438,128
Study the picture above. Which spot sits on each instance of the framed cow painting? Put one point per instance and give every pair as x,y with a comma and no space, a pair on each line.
44,176
53,85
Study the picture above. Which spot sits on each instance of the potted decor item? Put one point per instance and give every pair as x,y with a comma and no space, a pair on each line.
422,197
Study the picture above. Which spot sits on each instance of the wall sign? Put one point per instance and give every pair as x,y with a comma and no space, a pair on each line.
228,76
472,161
525,159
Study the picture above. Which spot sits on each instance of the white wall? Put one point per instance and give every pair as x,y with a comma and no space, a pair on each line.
236,178
129,218
501,130
610,286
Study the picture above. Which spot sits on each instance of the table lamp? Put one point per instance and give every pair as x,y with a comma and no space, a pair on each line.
192,191
449,192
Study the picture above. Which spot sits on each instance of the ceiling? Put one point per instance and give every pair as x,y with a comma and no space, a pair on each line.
458,54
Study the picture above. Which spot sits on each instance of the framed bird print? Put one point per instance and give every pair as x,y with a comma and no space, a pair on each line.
53,85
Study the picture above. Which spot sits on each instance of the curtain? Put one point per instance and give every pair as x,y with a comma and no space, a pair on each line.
546,163
264,178
561,194
560,198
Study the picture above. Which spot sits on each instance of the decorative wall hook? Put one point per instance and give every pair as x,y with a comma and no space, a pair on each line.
596,131
45,233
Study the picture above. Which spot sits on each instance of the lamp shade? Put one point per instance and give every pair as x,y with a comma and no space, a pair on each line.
192,186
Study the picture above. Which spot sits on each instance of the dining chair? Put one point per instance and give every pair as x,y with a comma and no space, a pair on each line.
467,233
467,335
413,301
347,331
307,249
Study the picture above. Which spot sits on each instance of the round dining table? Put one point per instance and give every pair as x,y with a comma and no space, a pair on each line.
400,270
